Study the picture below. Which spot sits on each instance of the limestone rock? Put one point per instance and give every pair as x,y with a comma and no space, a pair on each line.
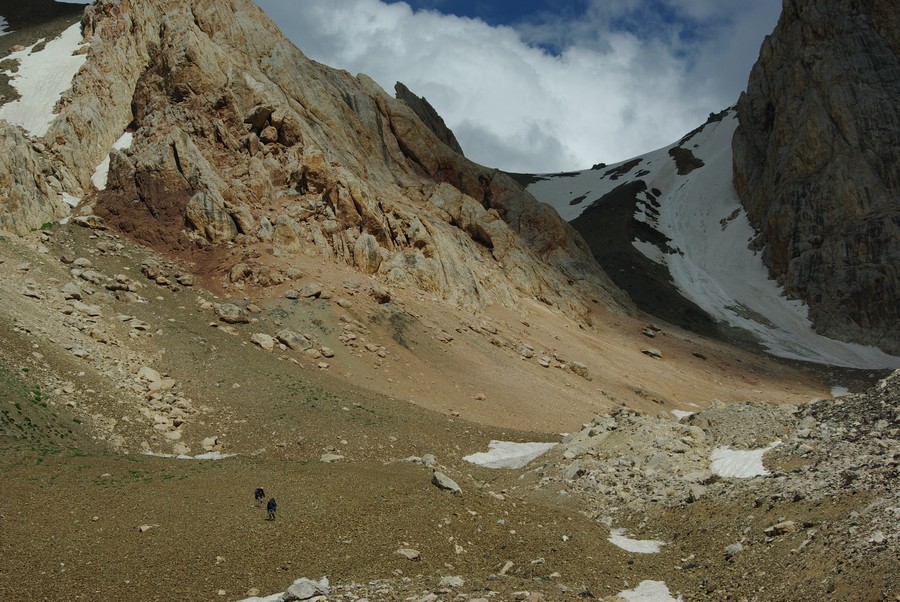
232,314
442,481
304,589
408,553
293,340
815,163
264,341
428,115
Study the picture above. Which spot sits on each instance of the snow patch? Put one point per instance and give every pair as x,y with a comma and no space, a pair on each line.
649,591
102,172
42,78
650,251
71,201
3,26
681,414
840,391
507,454
636,546
740,464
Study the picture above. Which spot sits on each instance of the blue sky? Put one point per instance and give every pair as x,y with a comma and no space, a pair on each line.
544,86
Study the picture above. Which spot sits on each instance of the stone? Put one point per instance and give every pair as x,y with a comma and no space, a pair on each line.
452,582
264,341
304,589
329,458
232,314
93,222
782,528
292,294
652,352
408,553
293,340
381,294
579,369
442,481
733,550
149,374
313,289
573,471
326,352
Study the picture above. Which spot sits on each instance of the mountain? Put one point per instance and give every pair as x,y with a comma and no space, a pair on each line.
236,137
226,267
670,229
815,164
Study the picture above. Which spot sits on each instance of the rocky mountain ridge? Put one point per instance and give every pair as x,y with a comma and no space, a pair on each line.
815,163
287,279
239,138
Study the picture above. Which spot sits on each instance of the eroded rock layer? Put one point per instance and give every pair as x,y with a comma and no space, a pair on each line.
239,138
816,163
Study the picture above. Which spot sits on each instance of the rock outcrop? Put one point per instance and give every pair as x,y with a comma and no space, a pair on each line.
815,163
428,115
238,138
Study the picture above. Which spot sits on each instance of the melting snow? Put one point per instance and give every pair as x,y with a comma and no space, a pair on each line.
71,201
506,454
649,591
740,464
41,79
102,171
3,25
637,546
701,214
680,414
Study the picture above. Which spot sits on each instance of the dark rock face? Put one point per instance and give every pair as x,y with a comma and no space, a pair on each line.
428,115
816,163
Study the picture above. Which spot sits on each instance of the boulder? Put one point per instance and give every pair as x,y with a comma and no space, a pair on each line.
232,314
442,481
293,340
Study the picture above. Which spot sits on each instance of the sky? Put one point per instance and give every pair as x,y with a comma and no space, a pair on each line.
545,85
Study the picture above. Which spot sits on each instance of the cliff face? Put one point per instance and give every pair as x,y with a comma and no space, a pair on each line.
239,138
816,163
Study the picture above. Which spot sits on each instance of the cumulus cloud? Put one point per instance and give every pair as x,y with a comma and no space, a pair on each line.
555,92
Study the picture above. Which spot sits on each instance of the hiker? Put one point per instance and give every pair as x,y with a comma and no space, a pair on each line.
270,508
260,495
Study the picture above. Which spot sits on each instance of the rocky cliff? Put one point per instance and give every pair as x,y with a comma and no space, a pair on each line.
238,138
815,163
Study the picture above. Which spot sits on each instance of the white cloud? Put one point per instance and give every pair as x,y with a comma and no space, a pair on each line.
623,79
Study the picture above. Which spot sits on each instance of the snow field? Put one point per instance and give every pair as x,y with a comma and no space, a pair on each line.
649,591
42,78
101,173
637,546
507,454
740,464
702,215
